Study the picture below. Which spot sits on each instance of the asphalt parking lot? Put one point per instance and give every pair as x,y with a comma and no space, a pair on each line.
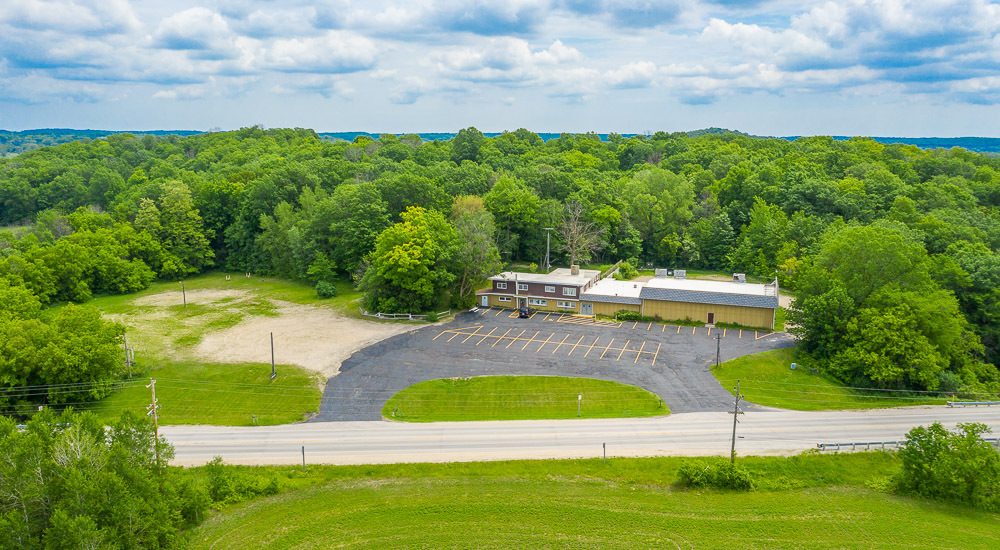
671,361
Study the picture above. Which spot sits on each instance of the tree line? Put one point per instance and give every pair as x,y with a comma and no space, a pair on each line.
890,249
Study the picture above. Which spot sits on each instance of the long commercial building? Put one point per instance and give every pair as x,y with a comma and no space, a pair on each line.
667,298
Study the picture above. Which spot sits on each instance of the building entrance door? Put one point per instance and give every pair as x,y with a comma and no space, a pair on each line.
711,318
486,301
586,308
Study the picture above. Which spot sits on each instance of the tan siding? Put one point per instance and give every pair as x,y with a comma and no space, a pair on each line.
552,304
746,316
604,308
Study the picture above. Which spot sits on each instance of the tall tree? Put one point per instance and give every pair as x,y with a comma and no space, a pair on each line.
477,256
579,237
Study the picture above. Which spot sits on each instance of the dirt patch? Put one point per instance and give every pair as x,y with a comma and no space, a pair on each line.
310,337
201,296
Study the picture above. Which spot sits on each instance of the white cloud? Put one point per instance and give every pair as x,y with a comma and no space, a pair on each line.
632,75
90,16
199,30
332,52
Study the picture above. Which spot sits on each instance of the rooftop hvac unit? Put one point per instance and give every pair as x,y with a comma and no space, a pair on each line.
660,273
739,277
680,274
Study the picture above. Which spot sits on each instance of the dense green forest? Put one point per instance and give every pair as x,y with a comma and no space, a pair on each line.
892,250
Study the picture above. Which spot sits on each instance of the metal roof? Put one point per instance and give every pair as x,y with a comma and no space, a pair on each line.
586,296
714,298
560,276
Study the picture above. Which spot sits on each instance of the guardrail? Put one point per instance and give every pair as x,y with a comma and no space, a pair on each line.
972,403
879,445
403,316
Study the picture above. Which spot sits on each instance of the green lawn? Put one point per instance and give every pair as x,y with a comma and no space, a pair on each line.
520,398
191,391
767,379
805,501
210,393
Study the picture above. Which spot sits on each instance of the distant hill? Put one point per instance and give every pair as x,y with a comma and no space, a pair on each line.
15,143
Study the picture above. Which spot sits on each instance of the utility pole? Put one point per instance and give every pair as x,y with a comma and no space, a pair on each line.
548,237
735,412
128,358
273,373
718,349
151,410
184,294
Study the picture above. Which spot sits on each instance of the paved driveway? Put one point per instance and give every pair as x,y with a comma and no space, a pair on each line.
671,361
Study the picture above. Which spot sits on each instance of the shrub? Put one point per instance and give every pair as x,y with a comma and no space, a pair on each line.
626,315
958,466
326,289
232,484
626,272
715,474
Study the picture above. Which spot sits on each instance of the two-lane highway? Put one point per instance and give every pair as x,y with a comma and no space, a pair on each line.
685,434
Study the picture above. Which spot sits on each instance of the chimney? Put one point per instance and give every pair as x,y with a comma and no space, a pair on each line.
574,270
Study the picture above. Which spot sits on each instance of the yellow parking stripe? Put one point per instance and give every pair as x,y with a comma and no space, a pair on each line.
487,336
678,329
606,349
545,342
591,347
575,345
693,329
664,328
635,324
530,340
640,352
655,354
471,335
623,350
723,333
501,338
515,339
650,326
560,344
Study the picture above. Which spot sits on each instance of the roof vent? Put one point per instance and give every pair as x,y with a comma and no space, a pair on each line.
574,270
635,286
739,277
680,274
660,273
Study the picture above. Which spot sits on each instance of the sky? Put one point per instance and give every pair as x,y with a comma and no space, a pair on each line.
852,67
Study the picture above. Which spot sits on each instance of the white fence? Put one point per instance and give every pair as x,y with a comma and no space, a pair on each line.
403,316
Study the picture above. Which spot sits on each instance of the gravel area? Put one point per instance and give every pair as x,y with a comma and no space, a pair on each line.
671,361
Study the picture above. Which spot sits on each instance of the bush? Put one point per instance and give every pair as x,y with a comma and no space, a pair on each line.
716,474
326,289
232,484
958,466
626,315
626,272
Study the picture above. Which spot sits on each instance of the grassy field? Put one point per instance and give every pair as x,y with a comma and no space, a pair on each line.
164,333
803,501
767,379
520,398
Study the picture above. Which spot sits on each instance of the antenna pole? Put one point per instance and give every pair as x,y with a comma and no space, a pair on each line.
151,410
736,413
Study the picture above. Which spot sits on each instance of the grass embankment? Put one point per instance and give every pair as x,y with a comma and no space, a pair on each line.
767,379
520,398
165,333
808,500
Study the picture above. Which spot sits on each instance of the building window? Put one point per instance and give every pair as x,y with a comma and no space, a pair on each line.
567,305
522,286
569,291
537,302
504,298
550,289
501,286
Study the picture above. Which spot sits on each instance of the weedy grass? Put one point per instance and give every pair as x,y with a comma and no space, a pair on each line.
821,501
520,398
767,379
195,392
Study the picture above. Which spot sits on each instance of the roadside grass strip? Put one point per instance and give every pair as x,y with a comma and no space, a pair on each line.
805,501
767,379
520,398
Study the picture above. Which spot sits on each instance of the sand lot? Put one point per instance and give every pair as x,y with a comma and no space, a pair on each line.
315,337
311,337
